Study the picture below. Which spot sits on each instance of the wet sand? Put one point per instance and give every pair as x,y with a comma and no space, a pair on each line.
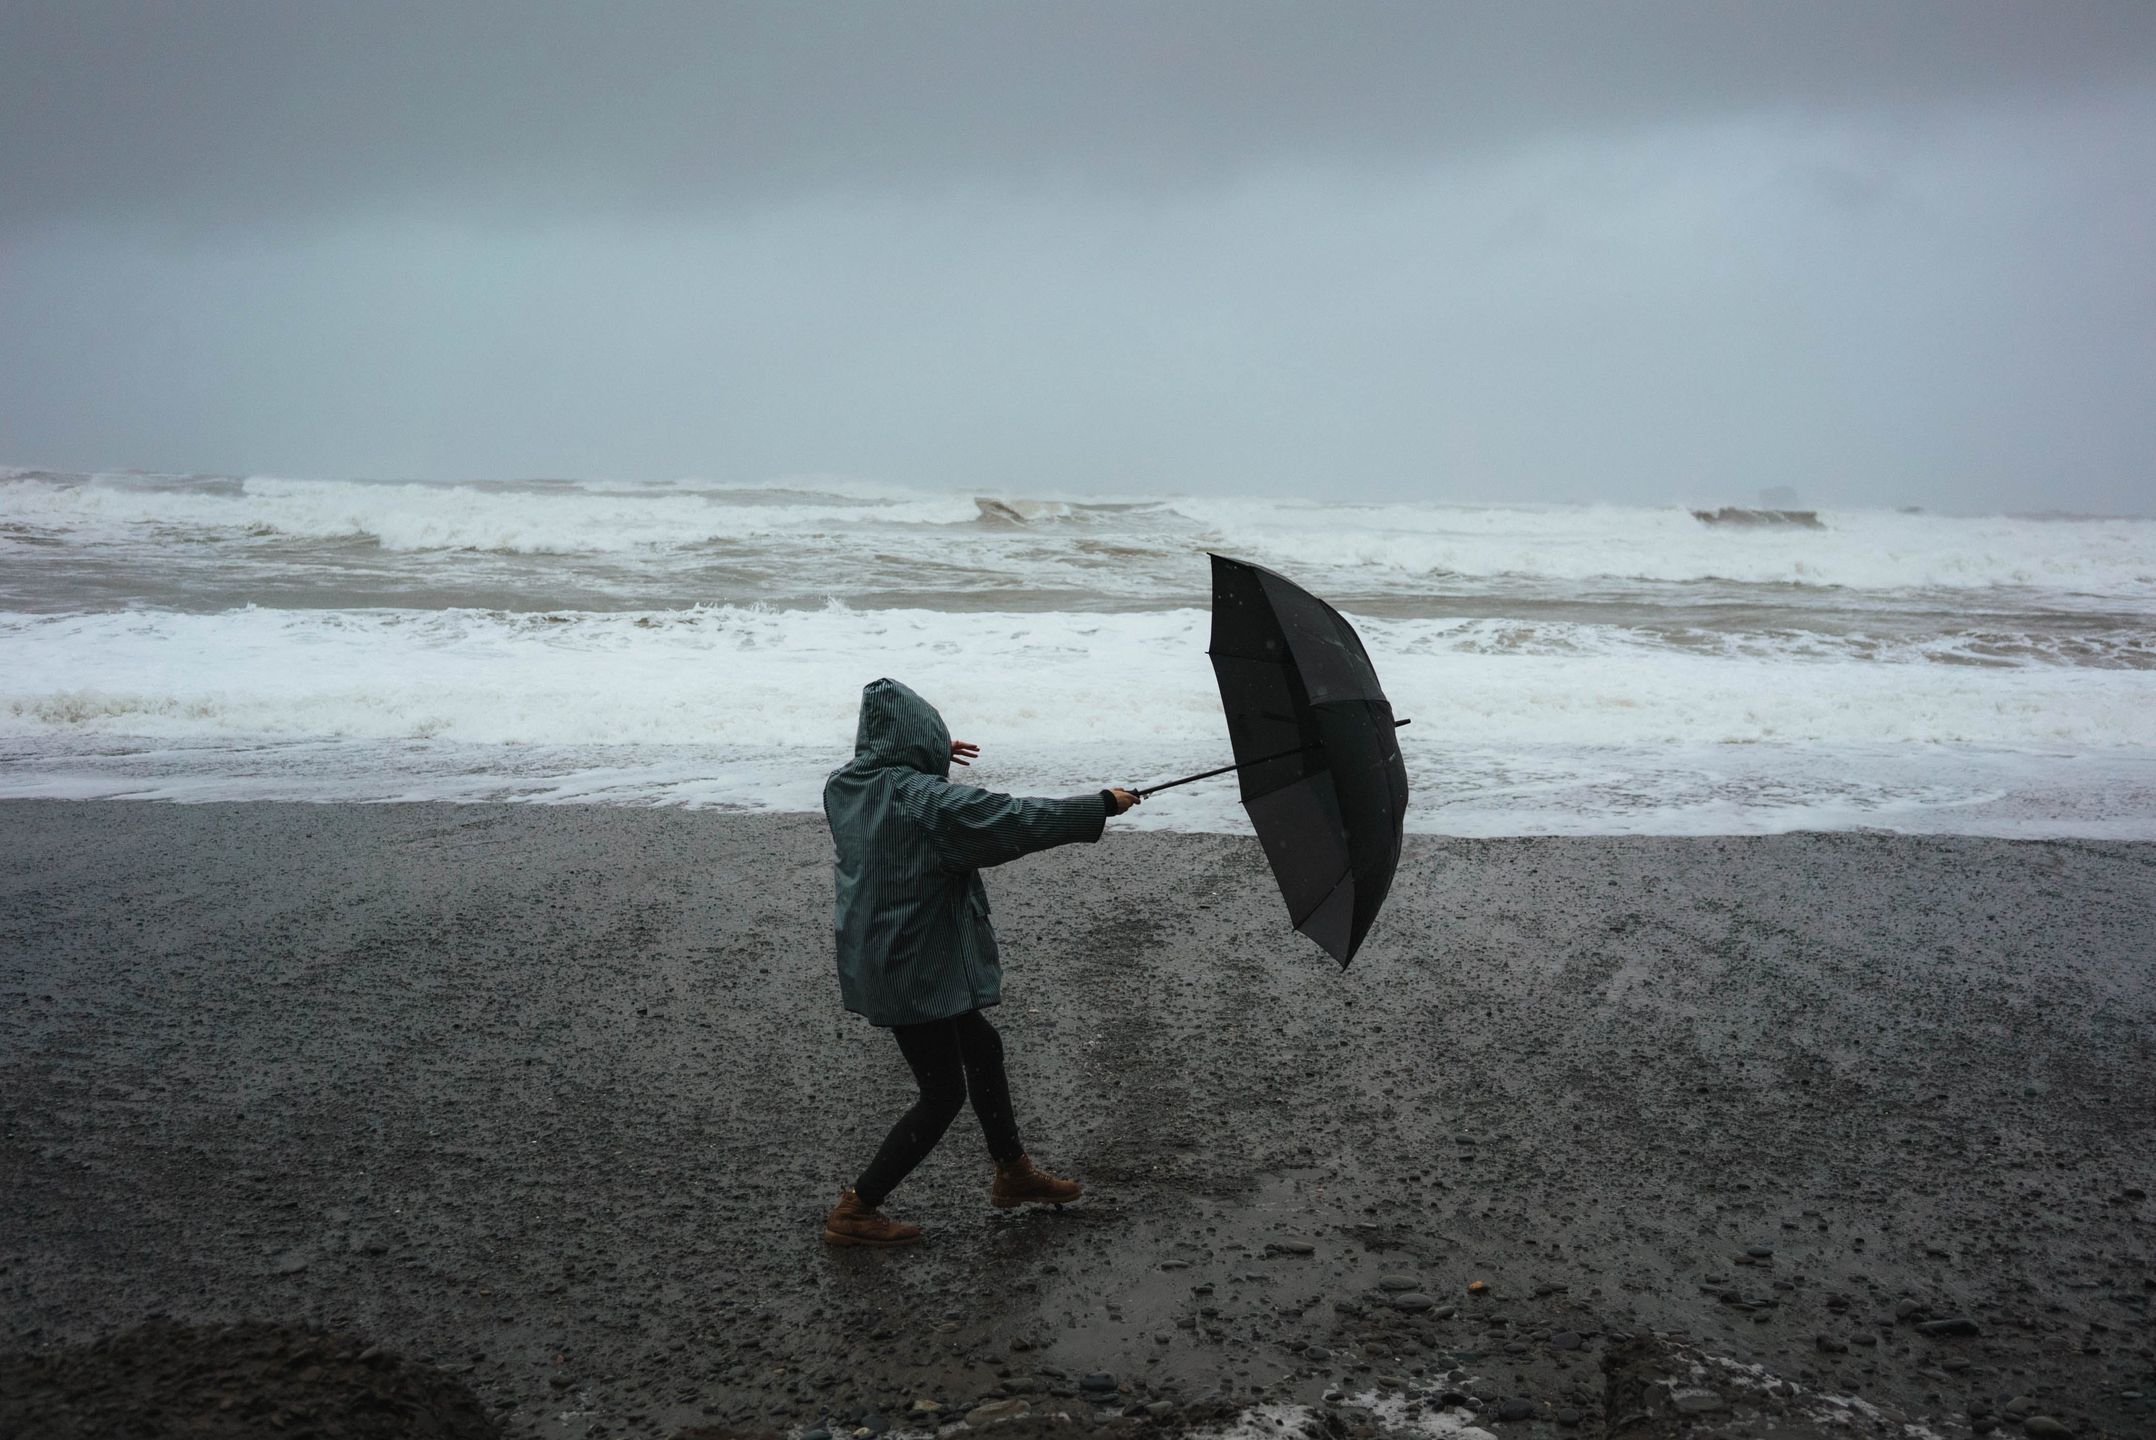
556,1097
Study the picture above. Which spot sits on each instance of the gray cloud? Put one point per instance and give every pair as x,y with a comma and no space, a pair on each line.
217,111
1882,253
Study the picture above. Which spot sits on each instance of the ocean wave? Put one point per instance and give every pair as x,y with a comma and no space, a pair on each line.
789,680
1858,550
420,517
1134,546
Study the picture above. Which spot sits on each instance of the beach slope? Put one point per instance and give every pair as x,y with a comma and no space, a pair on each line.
556,1097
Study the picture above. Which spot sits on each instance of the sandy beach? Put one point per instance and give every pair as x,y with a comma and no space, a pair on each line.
556,1096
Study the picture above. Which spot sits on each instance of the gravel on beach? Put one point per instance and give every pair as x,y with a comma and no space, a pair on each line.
552,1099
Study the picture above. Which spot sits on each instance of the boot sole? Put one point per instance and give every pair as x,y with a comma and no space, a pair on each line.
832,1237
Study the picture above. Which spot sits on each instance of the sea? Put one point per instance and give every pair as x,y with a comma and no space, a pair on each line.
1568,669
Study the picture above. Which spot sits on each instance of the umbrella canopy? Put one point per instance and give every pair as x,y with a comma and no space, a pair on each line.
1315,750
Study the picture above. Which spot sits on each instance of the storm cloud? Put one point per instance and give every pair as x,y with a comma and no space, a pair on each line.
1882,253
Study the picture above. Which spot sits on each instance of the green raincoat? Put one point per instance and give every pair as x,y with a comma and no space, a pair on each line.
914,942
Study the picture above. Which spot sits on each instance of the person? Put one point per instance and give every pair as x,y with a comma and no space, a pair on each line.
916,953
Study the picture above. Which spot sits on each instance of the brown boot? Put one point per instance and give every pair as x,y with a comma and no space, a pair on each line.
852,1223
1021,1182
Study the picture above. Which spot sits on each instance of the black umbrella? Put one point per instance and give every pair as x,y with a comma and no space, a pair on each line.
1315,750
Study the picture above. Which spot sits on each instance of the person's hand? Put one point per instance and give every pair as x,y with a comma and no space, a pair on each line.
963,751
1124,799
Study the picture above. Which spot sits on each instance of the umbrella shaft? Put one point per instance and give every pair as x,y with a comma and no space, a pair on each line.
1243,765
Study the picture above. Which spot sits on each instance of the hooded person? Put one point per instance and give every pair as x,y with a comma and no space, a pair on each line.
916,954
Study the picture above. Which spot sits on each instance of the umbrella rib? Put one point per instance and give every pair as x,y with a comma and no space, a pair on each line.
1304,918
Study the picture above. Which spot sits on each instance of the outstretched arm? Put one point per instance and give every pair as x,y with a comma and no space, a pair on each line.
973,829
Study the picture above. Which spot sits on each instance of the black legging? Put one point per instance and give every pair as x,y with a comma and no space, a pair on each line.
949,1058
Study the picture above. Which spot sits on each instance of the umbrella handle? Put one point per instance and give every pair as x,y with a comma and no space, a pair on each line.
1244,765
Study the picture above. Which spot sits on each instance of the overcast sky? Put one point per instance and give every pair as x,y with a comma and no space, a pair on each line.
1883,253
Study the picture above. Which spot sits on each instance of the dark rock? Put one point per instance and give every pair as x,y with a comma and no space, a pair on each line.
1516,1409
1396,1282
224,1381
1097,1382
1566,1340
2043,1427
1414,1302
1566,1415
1953,1325
1657,1388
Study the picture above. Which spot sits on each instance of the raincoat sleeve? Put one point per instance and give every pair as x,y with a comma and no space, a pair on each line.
973,829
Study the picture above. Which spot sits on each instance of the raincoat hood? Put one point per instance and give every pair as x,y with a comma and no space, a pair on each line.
899,728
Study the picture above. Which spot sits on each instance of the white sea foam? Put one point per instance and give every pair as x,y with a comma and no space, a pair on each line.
1404,548
1862,549
785,678
1590,732
1569,669
413,517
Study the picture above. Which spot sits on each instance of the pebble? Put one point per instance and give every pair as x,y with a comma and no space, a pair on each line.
1395,1282
876,1424
1566,1415
2019,1406
1952,1325
1414,1301
1098,1381
1566,1340
1698,1402
1516,1409
996,1410
2046,1428
1161,1409
1317,1354
1903,1309
1292,1247
1760,1252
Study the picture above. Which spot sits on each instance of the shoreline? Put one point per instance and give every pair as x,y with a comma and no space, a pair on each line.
505,1083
